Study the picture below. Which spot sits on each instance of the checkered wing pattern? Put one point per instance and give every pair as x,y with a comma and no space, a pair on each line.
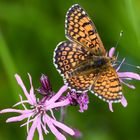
67,56
80,28
81,83
108,86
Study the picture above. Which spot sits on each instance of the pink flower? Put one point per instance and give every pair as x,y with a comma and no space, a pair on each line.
79,99
123,76
38,113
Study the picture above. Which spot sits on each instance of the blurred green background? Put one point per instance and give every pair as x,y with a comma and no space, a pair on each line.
29,33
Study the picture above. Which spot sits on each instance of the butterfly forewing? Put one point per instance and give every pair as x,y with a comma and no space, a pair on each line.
67,56
81,29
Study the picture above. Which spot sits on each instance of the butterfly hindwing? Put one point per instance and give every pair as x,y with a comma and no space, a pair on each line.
108,86
81,83
80,28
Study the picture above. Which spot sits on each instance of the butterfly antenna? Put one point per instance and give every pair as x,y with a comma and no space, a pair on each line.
134,66
121,34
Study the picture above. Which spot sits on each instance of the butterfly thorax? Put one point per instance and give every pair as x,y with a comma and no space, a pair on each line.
96,64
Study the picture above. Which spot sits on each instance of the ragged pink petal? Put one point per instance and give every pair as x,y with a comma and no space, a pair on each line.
63,127
53,129
58,104
32,130
124,101
10,110
32,90
18,118
110,106
20,82
111,52
57,95
40,130
129,75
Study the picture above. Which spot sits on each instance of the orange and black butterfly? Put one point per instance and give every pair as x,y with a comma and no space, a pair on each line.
82,60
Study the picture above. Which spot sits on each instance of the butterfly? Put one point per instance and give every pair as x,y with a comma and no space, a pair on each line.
82,60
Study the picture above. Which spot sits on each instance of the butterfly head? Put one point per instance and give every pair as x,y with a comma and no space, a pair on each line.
113,59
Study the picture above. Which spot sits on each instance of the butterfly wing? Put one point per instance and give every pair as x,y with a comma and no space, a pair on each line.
108,86
67,56
81,83
80,28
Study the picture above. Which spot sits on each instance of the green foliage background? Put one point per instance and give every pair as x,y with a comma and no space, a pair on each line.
29,33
